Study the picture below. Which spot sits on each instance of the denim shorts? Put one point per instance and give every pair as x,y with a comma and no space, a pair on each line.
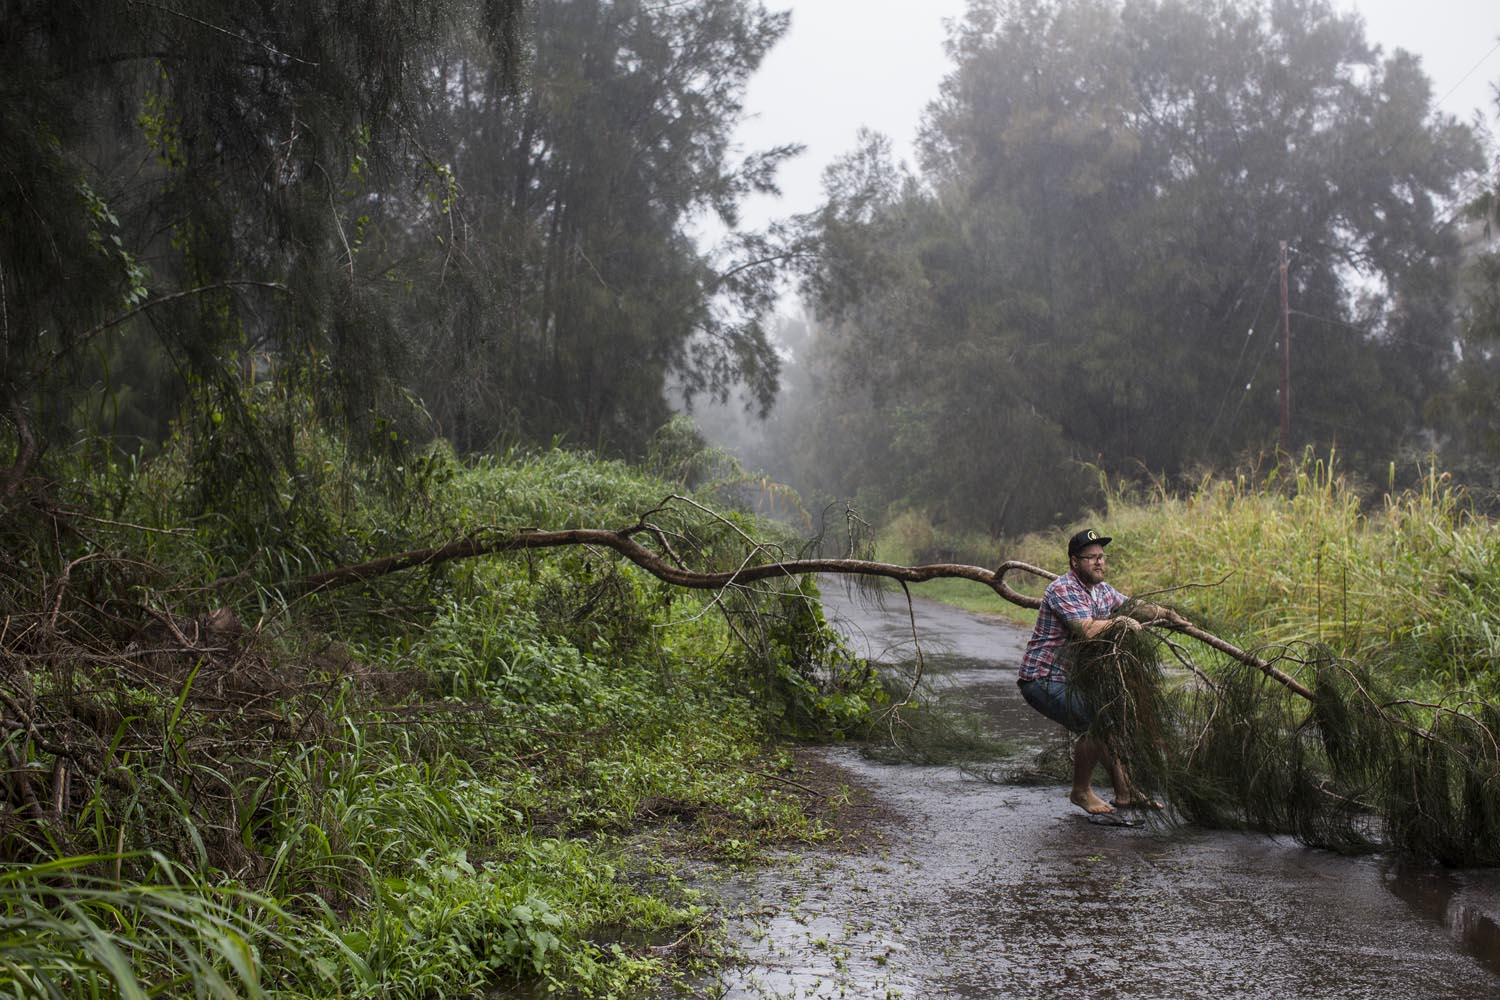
1058,701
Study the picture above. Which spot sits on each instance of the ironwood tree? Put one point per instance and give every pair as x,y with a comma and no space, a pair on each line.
219,221
178,192
570,291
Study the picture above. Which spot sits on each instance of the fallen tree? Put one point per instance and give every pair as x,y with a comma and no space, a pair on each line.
1356,769
1345,764
668,566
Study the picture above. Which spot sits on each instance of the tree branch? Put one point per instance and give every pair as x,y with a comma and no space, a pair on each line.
148,304
774,258
26,452
623,543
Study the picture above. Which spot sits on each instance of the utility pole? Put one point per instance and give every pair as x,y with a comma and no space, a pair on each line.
1286,361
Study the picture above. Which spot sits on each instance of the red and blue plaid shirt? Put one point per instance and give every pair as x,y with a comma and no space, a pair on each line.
1065,600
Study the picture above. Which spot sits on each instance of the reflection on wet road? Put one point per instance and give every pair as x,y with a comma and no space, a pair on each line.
991,891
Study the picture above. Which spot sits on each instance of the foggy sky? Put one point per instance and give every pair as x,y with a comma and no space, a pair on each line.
877,63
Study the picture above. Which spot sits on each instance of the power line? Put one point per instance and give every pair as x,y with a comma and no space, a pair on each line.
1472,69
1270,343
1244,347
1330,320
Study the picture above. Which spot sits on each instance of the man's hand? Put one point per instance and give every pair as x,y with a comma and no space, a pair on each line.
1130,624
1176,619
1156,615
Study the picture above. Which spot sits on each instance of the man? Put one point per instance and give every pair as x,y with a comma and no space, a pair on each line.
1080,605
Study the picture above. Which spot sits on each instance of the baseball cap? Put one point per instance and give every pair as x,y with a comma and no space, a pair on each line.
1085,538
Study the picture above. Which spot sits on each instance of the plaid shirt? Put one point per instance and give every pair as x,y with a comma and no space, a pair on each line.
1065,600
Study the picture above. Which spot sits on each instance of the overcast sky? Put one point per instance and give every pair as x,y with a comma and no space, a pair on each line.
877,63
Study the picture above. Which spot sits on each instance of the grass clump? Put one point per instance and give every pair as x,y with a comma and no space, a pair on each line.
65,932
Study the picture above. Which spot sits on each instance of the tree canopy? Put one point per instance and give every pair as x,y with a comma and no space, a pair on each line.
471,210
570,288
1083,267
177,182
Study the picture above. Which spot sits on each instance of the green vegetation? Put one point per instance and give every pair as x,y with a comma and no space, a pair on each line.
434,784
1384,608
1082,266
1294,555
910,538
261,269
1408,580
282,290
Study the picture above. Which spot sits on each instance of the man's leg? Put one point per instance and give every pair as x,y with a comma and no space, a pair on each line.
1126,794
1087,753
1120,779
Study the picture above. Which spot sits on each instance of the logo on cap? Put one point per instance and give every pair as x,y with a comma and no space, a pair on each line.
1085,538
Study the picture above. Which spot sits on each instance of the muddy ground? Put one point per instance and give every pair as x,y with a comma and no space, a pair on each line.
959,887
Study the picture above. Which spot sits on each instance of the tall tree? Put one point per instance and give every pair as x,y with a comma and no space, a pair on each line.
174,177
1104,185
573,291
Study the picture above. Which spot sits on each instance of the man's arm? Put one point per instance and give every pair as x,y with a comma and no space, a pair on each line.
1093,628
1155,614
1146,614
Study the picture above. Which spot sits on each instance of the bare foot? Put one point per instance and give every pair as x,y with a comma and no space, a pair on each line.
1136,804
1090,803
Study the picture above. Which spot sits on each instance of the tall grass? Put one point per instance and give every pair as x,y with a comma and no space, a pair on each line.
66,931
1405,580
1409,579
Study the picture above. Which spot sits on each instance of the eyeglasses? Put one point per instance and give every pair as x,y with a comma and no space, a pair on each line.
1091,559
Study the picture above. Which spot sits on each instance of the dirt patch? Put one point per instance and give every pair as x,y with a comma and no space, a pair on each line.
844,803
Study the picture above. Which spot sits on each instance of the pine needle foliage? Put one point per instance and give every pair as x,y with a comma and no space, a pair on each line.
1356,769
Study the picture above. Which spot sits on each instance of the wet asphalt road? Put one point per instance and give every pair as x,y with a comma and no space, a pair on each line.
991,891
